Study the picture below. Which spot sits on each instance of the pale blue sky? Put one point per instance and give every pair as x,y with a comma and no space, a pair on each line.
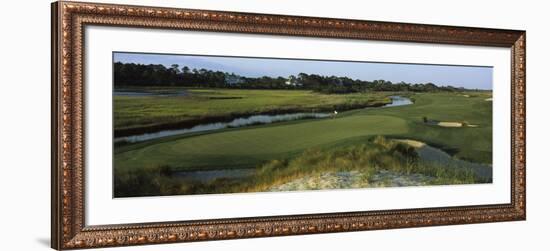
472,77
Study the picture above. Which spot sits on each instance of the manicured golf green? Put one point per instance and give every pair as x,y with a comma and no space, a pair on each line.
248,147
472,143
253,146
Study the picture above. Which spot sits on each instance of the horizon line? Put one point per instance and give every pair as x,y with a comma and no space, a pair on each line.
216,63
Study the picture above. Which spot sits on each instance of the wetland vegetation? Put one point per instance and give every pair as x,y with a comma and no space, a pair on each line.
178,136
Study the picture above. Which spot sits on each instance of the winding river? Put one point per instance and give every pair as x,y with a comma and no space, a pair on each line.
243,122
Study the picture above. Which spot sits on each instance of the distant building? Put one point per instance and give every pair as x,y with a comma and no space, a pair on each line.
232,79
293,81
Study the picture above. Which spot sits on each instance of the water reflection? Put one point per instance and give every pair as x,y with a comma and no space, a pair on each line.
244,121
238,122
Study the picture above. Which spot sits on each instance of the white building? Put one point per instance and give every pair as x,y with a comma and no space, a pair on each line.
293,81
232,79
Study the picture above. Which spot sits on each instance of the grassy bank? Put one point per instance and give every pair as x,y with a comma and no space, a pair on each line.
369,157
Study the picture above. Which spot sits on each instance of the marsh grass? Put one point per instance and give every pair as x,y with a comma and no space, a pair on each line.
200,104
375,154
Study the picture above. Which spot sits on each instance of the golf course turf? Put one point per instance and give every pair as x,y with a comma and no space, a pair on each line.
255,146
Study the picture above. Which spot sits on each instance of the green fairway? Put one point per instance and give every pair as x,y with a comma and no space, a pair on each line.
249,147
470,143
252,146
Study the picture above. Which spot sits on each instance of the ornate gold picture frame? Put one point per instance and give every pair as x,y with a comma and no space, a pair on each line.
69,228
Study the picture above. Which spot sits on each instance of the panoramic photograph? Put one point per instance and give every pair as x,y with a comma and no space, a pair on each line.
197,124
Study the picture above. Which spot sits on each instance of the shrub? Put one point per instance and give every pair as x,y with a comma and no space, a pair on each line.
425,119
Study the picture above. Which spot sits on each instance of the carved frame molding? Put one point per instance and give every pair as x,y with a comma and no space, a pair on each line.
68,225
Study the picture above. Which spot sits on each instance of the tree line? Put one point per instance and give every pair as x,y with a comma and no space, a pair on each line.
131,74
